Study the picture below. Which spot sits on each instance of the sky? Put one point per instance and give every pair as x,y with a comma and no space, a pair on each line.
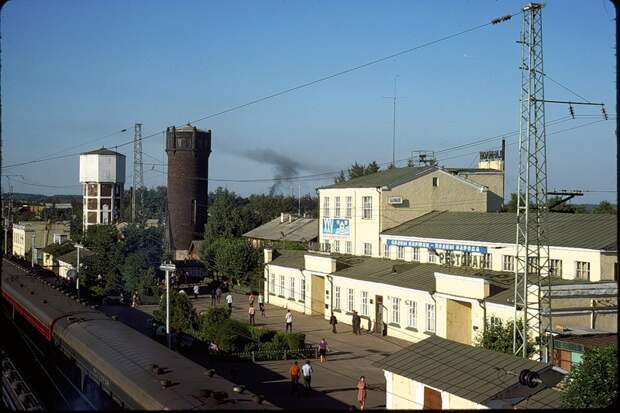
75,73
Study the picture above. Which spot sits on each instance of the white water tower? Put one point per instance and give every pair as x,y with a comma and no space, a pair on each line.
102,175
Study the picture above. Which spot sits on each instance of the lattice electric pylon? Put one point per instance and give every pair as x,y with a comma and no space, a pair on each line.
532,283
138,175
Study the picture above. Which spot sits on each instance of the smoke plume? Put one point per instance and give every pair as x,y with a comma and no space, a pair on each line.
284,166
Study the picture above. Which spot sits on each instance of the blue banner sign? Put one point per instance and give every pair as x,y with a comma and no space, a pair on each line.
336,226
437,246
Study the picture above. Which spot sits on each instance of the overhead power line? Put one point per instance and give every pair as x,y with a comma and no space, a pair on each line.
298,87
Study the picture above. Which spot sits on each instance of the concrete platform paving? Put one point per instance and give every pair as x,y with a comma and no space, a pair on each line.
350,357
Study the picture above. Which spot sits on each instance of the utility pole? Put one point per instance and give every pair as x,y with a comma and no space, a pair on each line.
299,198
394,99
532,282
168,268
138,173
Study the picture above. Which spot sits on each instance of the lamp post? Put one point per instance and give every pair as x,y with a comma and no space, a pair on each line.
168,268
33,250
77,278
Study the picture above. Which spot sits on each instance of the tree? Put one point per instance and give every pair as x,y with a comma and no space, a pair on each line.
236,258
593,383
498,336
102,271
210,322
604,208
226,218
356,170
340,178
183,316
372,168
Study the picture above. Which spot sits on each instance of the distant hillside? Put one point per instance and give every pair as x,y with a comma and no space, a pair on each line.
45,198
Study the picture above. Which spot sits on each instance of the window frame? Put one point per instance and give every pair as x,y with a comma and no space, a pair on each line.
326,207
350,299
364,303
336,206
395,310
367,207
368,251
553,268
349,247
282,285
302,290
337,298
349,207
510,260
579,272
291,288
412,313
400,252
336,245
430,316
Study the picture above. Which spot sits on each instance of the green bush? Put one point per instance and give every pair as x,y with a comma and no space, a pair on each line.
295,341
211,322
280,341
232,336
262,335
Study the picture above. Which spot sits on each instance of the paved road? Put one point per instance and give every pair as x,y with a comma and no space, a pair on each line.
334,382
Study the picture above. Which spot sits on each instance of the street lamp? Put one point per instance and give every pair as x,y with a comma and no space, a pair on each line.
168,268
77,278
33,250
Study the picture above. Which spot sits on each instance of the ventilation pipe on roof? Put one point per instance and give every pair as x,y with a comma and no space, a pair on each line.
281,217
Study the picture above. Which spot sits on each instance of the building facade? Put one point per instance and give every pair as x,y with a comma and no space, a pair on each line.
352,214
44,233
102,175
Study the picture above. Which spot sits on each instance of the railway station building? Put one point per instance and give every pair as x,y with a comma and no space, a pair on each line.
352,214
44,233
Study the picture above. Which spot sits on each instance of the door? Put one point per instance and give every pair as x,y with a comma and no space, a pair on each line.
432,399
458,321
378,314
317,299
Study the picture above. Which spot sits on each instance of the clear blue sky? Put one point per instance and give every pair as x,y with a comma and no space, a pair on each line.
77,70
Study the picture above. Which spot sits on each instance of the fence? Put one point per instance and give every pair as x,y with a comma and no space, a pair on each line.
302,353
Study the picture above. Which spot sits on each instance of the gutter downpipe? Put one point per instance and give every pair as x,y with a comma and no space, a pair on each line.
434,301
379,214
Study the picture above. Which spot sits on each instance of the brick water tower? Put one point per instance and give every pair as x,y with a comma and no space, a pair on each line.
102,175
188,150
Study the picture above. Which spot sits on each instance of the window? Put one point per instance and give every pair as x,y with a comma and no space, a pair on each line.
291,292
555,267
416,253
366,207
386,250
91,203
401,253
435,181
532,265
350,300
495,321
302,293
348,247
508,263
106,189
349,206
367,248
396,310
364,302
326,206
412,313
430,317
486,261
583,271
281,286
272,284
336,246
337,206
92,190
337,299
431,256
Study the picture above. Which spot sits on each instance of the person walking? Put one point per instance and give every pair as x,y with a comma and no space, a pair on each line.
294,372
229,301
289,321
252,312
218,294
323,349
361,392
196,290
213,296
333,321
306,369
261,304
354,322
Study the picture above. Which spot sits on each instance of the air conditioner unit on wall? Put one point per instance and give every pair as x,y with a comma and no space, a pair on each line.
395,200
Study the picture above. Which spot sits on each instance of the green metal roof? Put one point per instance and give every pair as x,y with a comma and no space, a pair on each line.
590,231
388,177
473,373
289,258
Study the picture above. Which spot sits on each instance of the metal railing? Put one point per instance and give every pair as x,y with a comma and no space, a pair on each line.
286,354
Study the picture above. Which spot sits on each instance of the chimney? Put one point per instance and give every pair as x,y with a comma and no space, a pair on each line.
281,217
268,255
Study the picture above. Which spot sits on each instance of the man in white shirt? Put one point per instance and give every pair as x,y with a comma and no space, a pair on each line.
306,370
229,301
289,321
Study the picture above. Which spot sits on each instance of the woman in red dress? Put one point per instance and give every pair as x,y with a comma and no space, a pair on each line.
361,391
